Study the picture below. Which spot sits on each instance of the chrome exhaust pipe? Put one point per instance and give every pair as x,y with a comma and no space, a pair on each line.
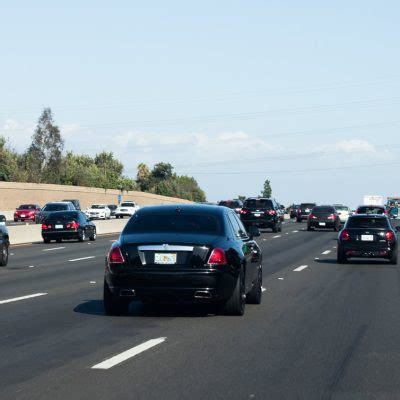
202,294
127,293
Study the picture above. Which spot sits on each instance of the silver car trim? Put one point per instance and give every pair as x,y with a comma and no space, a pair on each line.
165,247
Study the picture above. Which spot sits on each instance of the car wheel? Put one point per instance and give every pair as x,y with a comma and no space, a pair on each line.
93,236
341,257
298,219
393,258
112,304
59,240
236,304
4,256
309,228
280,227
82,236
275,228
46,240
15,220
255,294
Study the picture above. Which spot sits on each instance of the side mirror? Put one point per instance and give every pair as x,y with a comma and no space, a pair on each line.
254,231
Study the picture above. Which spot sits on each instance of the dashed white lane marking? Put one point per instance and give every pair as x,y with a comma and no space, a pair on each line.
326,252
126,355
263,289
30,296
298,269
281,279
92,282
31,266
316,258
11,254
286,233
54,248
264,240
82,258
277,236
295,231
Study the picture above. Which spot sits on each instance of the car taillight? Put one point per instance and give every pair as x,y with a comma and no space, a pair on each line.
73,225
312,216
115,256
345,235
299,211
45,227
357,211
243,211
271,212
217,257
332,216
389,236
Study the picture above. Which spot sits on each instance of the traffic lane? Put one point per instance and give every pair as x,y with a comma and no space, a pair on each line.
100,336
318,334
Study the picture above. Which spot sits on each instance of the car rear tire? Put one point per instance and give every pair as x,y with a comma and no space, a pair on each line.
4,256
298,219
255,294
309,228
59,240
341,257
93,236
82,236
46,241
236,304
393,258
112,304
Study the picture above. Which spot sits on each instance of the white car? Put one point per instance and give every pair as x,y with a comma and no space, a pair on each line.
126,209
344,212
98,211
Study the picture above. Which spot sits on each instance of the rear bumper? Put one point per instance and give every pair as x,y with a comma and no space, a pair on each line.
260,222
369,251
54,235
316,224
178,286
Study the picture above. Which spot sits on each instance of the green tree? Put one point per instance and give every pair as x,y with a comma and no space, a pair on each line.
242,198
44,156
267,190
143,177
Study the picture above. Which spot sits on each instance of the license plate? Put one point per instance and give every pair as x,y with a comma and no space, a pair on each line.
257,215
59,226
23,215
367,238
165,258
322,224
307,210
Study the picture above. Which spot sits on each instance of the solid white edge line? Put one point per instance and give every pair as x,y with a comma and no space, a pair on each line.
54,248
83,258
298,269
126,355
22,298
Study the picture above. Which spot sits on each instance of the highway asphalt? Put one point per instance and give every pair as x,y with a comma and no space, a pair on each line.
323,331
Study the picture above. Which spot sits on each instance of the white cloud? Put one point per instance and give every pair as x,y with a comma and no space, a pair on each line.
355,146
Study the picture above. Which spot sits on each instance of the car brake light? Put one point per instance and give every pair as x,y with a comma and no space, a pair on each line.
389,236
115,256
217,257
73,225
45,227
271,212
243,211
345,235
312,216
332,216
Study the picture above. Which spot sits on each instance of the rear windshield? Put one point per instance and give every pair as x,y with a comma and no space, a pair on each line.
307,205
26,207
55,207
368,223
127,205
371,210
97,206
175,223
322,209
63,216
258,203
342,208
230,204
112,206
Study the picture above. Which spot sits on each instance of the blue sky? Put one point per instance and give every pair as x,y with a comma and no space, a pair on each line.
231,92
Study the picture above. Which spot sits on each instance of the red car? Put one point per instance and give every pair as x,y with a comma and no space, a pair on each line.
26,212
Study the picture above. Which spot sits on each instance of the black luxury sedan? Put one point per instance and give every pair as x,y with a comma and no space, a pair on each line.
323,217
304,211
370,236
4,245
184,253
66,225
261,212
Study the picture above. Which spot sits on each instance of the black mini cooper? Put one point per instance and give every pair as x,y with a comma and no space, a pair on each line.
184,253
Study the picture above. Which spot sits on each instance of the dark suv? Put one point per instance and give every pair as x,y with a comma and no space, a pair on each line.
261,212
304,211
232,204
4,244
